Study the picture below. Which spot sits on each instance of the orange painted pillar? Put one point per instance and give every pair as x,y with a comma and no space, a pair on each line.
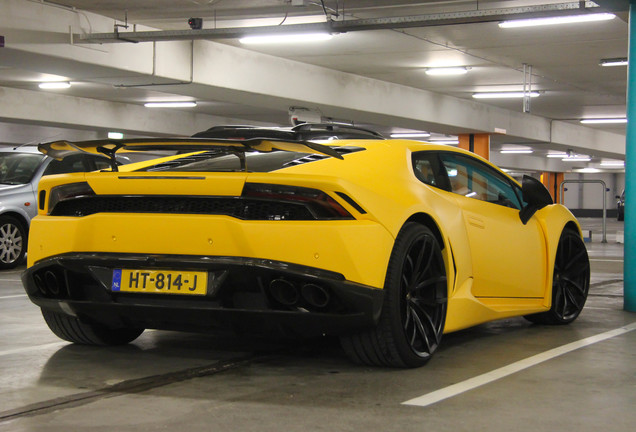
552,181
476,143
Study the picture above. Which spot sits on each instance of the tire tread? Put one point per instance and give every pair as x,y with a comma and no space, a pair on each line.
73,330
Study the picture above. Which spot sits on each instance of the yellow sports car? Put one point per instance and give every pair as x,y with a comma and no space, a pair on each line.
387,244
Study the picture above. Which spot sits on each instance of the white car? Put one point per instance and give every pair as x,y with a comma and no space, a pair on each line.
20,171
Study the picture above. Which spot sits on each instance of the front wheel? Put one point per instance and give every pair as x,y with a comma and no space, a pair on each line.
570,283
414,310
74,330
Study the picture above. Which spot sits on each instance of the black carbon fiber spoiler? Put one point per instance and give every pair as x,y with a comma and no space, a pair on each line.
61,149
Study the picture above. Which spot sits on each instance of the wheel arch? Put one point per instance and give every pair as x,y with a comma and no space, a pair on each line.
555,219
19,217
449,256
426,220
571,225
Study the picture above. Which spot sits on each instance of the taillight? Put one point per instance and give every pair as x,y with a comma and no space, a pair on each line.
68,191
319,204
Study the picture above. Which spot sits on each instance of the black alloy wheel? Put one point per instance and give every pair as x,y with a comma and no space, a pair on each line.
414,311
13,242
570,283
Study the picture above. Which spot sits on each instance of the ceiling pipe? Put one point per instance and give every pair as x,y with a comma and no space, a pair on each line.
334,27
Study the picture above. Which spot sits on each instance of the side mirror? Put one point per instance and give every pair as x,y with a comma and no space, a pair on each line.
535,195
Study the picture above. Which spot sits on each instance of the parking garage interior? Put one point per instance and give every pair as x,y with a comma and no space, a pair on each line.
550,102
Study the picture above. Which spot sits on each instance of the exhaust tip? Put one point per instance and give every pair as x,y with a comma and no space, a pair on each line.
51,282
39,283
284,292
316,295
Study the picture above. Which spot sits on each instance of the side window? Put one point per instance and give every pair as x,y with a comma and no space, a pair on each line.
428,169
423,168
474,179
73,163
101,164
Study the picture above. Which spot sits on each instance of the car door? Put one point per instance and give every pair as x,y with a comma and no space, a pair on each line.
508,257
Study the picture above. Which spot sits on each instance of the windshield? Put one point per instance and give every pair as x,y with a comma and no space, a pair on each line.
18,168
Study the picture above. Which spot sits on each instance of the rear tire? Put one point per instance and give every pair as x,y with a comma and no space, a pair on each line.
570,283
73,330
414,311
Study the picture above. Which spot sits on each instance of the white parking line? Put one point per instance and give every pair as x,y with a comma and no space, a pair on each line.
478,381
606,260
32,348
13,296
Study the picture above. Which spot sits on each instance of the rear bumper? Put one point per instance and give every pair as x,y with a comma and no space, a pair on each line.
239,295
358,249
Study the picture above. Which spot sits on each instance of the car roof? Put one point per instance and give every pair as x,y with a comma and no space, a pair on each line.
302,132
24,148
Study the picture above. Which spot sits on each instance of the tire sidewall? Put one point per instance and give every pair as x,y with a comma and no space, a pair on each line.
395,299
556,292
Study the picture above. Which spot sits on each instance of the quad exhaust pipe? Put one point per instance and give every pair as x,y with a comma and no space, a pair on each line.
48,283
292,294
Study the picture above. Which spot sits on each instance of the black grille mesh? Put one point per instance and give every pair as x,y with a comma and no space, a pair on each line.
242,208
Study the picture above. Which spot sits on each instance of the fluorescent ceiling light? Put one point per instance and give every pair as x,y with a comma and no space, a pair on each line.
515,151
622,61
170,104
614,164
571,19
604,120
557,155
504,95
411,135
115,135
445,142
577,159
55,85
443,71
285,38
589,170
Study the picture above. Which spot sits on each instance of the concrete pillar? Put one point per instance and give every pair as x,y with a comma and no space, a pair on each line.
476,143
552,181
630,171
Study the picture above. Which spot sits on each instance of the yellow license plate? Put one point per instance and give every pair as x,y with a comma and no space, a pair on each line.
160,281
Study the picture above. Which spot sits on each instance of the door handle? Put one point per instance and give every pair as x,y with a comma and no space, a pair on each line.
476,222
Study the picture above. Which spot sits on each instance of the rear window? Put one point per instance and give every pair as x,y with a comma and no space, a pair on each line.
18,168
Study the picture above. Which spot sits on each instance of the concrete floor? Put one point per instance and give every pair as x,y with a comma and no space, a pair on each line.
174,381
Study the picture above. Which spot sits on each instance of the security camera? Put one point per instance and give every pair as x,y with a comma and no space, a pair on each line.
195,23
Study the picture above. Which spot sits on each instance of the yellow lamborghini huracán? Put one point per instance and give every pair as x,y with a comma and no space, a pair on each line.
387,244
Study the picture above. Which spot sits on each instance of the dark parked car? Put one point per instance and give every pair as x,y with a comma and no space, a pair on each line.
620,206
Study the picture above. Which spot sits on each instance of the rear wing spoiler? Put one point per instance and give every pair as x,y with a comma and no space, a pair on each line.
61,149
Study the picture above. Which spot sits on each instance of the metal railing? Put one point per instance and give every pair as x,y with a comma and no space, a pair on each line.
605,189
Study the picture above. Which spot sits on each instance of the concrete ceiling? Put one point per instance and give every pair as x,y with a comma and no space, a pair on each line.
565,65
